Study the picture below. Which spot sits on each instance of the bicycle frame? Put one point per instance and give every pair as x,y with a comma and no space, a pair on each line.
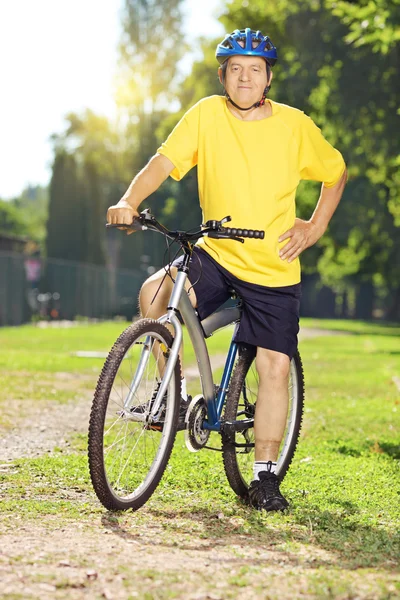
179,302
198,331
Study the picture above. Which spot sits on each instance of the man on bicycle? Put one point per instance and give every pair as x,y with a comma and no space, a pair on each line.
251,154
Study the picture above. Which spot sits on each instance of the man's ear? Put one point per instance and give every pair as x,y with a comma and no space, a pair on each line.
220,75
271,75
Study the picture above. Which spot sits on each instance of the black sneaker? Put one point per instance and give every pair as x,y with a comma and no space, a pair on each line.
184,405
265,494
145,408
142,409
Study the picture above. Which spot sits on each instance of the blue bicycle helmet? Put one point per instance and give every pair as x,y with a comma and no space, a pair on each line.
230,46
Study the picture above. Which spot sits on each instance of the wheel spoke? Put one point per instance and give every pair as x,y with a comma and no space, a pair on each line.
126,456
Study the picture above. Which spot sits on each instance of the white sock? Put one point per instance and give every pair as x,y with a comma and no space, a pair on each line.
263,465
183,389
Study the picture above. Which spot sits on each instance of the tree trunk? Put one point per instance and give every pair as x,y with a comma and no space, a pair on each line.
364,300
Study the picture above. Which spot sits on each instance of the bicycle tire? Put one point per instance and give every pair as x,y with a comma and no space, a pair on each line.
105,441
239,471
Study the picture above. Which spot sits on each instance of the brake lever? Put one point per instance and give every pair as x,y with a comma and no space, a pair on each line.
216,225
217,235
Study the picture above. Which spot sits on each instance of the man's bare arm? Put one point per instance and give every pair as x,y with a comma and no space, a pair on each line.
147,181
304,234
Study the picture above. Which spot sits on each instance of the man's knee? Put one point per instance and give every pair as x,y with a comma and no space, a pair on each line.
154,294
156,291
272,365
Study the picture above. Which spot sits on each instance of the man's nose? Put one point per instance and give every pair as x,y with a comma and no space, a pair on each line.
244,76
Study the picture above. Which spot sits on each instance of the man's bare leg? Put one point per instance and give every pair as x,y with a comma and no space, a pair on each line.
272,403
269,426
153,304
154,297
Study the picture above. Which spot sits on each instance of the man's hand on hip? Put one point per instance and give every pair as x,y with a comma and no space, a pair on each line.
302,235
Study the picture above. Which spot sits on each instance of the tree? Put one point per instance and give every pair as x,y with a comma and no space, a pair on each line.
27,214
11,220
97,151
65,237
353,95
151,46
374,23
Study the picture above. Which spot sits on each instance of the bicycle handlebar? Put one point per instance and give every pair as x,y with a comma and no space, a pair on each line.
245,233
213,229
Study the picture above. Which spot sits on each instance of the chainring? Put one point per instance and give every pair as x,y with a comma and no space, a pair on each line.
195,436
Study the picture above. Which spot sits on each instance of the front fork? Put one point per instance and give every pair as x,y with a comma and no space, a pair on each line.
171,318
173,354
171,362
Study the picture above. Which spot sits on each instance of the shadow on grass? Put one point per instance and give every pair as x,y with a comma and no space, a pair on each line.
351,449
366,328
203,532
392,450
356,545
347,543
386,352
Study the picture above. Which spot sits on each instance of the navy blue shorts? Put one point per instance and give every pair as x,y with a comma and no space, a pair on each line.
270,316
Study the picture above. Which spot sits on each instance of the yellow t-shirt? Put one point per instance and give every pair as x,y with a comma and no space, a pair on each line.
250,170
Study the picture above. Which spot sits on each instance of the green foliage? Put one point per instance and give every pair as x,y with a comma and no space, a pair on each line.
11,219
26,215
352,94
88,171
151,45
65,225
370,22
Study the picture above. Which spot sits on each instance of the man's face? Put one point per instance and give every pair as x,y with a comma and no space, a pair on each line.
246,78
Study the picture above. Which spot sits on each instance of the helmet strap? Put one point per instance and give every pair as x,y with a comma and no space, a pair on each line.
256,105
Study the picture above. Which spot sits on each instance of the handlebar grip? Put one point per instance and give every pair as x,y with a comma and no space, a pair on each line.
136,224
245,233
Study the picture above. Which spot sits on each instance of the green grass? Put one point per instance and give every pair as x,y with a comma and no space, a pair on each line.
41,351
352,326
344,483
41,364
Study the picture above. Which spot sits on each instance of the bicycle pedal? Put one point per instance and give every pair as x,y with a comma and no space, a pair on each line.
154,427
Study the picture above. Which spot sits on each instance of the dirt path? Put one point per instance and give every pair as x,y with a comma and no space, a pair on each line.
116,561
147,556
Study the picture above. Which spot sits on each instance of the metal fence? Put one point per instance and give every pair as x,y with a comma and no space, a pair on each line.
65,290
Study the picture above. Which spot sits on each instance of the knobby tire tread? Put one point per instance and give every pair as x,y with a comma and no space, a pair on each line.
98,412
246,357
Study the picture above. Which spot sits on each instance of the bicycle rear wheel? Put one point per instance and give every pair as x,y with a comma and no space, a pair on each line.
128,450
240,404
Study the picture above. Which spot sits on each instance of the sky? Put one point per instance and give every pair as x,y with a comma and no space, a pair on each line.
58,56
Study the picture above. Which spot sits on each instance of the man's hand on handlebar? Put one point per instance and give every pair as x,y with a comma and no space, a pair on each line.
122,213
123,216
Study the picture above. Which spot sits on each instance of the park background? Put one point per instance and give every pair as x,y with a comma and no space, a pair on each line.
338,61
193,540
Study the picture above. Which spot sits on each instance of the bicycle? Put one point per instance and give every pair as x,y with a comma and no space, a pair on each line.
135,410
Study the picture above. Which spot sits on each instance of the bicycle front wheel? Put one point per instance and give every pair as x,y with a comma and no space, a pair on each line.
128,448
238,453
